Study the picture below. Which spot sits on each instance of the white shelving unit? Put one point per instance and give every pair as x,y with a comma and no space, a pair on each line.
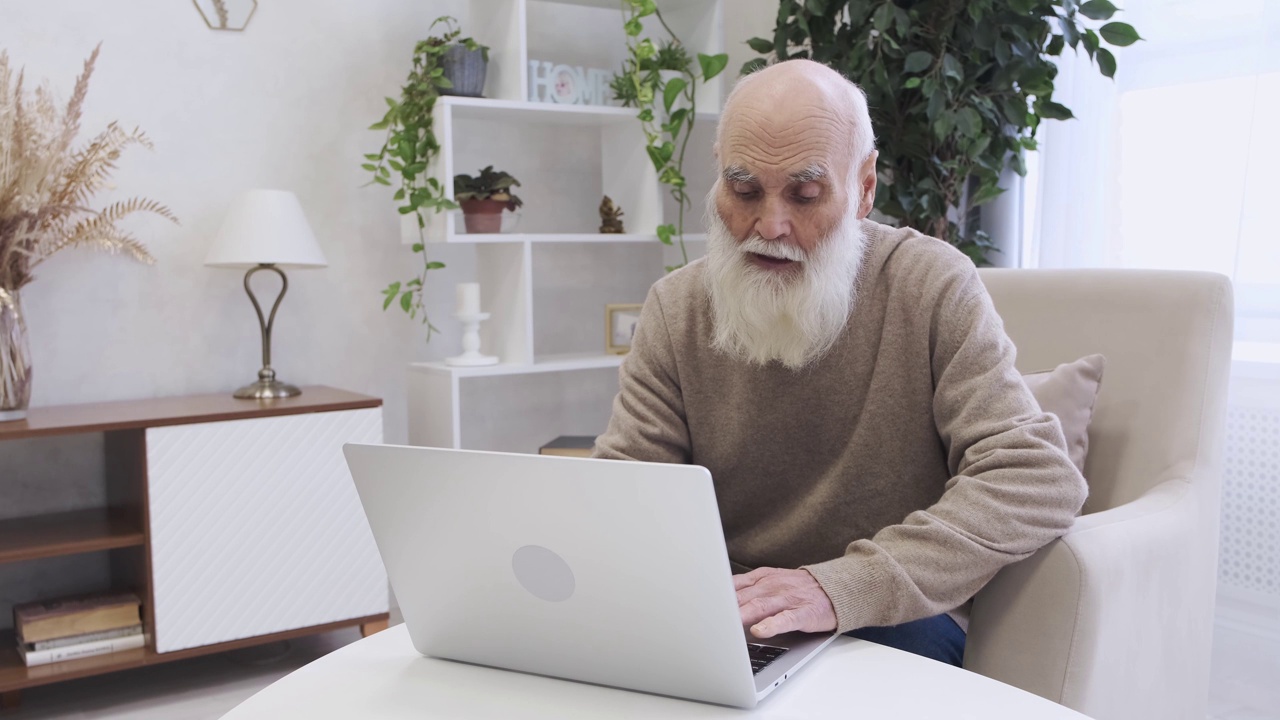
567,157
564,238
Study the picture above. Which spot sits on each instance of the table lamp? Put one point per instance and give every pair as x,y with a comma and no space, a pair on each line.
266,230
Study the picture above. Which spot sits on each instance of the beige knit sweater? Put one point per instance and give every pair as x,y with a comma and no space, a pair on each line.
902,469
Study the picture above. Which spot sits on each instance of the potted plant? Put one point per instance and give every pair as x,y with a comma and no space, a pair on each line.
956,91
465,63
661,82
409,149
45,189
670,61
484,197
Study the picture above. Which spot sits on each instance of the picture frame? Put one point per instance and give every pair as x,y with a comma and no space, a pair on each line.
228,15
620,322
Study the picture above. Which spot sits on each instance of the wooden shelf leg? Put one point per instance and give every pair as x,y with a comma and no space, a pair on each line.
368,629
10,699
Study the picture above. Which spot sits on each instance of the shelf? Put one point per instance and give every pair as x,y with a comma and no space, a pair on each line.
553,363
468,108
14,675
568,156
475,132
663,5
562,238
602,4
67,533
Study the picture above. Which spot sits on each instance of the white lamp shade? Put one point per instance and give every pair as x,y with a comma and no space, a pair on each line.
265,227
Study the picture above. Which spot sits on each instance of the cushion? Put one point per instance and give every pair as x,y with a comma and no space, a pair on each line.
1069,391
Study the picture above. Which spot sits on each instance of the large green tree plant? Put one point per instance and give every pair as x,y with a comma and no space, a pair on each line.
956,90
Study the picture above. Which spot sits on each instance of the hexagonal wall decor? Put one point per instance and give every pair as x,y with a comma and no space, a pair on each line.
231,15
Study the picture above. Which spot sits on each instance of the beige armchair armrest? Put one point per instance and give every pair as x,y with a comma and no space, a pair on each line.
1104,598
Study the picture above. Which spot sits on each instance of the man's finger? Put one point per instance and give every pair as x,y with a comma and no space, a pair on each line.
786,621
760,608
750,578
760,589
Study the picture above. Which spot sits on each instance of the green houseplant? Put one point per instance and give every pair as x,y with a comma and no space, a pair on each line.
407,152
956,89
661,82
484,197
670,58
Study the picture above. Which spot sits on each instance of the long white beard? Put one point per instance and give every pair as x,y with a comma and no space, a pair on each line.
794,318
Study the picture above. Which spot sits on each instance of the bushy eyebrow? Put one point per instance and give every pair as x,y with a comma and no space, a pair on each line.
813,173
739,174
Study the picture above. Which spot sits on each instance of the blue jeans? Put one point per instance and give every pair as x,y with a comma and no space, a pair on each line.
937,638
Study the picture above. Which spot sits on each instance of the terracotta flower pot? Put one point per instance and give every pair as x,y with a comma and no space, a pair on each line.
483,216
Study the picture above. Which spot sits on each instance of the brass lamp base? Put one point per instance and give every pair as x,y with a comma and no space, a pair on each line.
267,388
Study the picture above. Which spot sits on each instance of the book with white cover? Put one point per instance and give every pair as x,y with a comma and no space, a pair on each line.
87,637
88,649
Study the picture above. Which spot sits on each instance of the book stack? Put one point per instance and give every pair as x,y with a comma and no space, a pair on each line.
55,630
569,446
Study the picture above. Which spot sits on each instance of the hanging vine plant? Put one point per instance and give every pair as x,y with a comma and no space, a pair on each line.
409,149
956,89
667,102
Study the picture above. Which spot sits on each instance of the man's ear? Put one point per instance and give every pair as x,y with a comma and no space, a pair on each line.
867,185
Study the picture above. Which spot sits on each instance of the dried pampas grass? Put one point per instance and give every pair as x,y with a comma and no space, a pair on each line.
46,185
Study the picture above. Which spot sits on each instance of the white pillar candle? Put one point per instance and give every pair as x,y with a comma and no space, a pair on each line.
468,298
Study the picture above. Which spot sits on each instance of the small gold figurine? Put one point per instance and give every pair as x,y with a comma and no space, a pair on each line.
610,216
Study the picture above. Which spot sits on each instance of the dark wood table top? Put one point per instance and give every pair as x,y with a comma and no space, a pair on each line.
183,410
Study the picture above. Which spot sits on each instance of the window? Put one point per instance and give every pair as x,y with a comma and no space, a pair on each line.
1189,171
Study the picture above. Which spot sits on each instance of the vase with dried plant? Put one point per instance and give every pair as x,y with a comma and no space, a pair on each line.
46,185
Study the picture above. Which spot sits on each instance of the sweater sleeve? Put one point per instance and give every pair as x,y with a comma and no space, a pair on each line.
648,420
1013,488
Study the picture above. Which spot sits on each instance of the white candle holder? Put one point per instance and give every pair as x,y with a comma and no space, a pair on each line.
471,356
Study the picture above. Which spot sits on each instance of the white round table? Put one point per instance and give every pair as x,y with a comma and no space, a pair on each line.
382,676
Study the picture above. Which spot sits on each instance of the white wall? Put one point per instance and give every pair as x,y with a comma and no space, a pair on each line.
284,104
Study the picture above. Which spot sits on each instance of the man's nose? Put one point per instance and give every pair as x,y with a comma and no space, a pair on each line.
774,222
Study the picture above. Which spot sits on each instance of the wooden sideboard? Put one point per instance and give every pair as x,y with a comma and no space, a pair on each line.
235,521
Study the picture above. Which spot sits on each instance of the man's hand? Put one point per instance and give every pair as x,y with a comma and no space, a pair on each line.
775,601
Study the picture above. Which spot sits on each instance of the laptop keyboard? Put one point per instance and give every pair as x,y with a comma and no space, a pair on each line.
762,655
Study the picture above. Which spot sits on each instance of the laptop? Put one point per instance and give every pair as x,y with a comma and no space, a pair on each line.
601,571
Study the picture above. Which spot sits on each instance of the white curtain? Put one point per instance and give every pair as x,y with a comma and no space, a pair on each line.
1175,164
1071,207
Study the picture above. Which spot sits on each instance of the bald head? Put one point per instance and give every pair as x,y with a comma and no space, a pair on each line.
800,95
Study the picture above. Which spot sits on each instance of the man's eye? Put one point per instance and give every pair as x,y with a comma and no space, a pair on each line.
746,194
807,193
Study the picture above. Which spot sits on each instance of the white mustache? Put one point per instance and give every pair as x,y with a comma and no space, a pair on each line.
776,250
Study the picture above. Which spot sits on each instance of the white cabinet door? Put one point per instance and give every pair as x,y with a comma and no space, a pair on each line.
256,527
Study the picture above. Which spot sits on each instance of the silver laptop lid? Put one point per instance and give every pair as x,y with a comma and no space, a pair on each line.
594,570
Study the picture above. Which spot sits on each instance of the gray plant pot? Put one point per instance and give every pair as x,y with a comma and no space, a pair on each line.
465,69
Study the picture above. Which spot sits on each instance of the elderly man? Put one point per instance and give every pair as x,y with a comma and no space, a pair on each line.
876,456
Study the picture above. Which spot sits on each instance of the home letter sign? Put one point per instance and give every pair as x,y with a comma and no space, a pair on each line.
567,84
